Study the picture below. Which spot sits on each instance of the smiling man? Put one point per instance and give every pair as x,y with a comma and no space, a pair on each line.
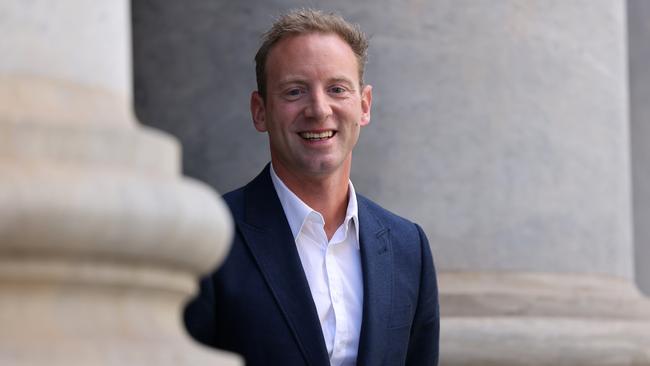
317,275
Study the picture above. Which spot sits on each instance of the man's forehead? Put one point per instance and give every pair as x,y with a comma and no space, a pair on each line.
311,49
302,43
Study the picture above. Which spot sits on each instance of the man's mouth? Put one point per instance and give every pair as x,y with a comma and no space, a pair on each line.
316,136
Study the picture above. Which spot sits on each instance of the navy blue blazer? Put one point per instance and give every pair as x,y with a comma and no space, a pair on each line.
258,303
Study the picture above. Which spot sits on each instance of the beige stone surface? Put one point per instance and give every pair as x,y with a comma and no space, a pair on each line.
101,242
80,41
88,200
101,238
78,322
30,98
543,341
540,294
539,319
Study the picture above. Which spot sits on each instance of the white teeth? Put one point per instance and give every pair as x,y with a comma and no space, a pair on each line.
317,136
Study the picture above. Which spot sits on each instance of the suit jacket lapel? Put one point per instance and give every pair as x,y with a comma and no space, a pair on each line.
267,233
376,259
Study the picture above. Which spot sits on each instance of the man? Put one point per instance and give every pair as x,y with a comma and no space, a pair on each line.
317,275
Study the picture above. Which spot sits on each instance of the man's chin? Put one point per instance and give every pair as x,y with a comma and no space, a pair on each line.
323,168
319,170
312,166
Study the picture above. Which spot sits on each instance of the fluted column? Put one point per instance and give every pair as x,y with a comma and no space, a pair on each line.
101,238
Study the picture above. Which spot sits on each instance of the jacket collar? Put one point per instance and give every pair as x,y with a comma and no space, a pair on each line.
267,233
376,264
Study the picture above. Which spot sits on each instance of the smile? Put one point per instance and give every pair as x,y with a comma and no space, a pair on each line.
314,136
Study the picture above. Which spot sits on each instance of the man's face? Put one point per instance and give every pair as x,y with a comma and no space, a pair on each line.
314,109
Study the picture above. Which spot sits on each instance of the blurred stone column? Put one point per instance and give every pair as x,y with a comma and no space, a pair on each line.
101,238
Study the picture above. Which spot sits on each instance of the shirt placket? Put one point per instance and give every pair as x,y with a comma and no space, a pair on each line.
338,304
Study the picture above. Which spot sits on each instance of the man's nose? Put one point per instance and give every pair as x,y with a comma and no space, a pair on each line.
319,108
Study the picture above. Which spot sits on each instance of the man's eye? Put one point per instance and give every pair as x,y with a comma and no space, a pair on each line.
293,92
337,90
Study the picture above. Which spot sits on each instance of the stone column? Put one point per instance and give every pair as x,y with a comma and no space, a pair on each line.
503,128
101,238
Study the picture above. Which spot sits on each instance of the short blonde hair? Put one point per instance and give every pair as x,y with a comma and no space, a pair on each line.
304,21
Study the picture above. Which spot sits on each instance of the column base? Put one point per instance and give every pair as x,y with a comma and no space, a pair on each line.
101,243
518,318
517,341
72,323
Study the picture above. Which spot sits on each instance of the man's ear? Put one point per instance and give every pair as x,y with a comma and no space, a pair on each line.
258,111
366,104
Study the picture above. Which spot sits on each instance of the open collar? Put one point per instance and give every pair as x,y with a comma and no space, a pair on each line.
298,212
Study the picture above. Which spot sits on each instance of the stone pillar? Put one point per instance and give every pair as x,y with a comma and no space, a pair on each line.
503,128
101,239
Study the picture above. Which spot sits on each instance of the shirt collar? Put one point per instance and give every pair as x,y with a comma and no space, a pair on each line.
298,211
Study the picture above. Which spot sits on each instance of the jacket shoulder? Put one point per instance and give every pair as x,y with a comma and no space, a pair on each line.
386,217
235,201
398,225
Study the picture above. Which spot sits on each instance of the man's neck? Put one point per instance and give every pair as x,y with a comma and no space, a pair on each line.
326,194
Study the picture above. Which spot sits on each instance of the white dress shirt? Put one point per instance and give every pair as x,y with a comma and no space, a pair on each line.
332,268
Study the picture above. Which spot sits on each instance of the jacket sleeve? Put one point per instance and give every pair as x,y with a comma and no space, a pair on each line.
425,331
199,314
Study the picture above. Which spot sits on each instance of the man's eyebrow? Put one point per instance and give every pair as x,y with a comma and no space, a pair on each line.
291,80
302,81
341,79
